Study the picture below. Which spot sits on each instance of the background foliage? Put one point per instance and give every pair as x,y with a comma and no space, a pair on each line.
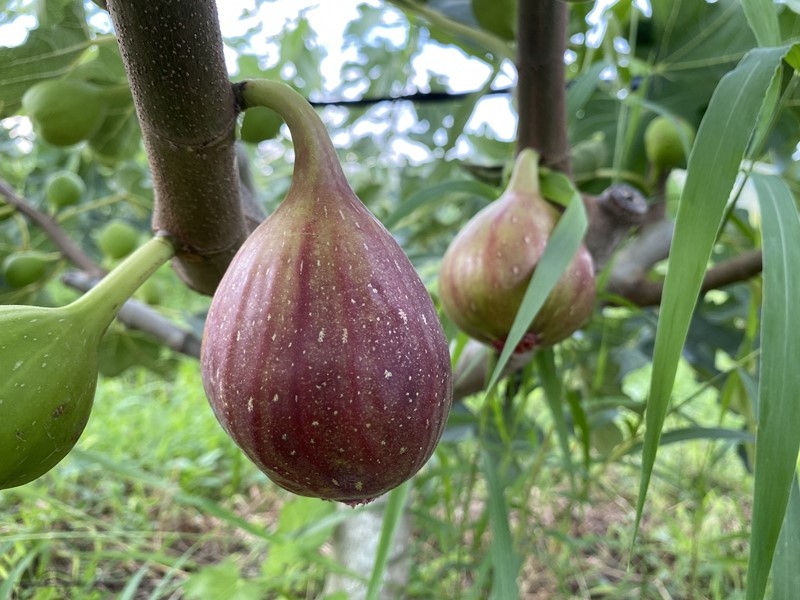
156,501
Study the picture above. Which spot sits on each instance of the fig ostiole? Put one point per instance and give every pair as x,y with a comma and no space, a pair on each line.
48,358
488,266
323,356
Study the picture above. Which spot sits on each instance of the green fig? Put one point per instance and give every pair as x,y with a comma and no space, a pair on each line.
48,357
25,267
64,112
64,189
323,356
259,123
488,265
117,239
6,211
667,142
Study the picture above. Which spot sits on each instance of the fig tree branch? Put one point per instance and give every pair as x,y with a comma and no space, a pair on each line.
71,251
134,314
541,86
173,56
733,270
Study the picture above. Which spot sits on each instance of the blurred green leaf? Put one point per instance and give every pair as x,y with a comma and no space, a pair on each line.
762,16
713,165
49,52
221,581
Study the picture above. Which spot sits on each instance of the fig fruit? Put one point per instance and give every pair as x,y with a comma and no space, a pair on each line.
48,357
323,356
64,189
6,211
488,265
64,112
259,123
117,239
25,267
667,142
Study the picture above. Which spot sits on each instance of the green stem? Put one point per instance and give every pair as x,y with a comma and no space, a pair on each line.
315,155
105,299
525,174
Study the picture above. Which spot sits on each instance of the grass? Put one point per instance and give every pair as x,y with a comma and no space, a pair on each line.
156,502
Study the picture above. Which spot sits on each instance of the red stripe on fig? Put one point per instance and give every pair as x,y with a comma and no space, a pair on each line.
323,356
488,265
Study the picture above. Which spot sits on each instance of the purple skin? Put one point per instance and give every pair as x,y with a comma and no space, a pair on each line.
488,265
323,355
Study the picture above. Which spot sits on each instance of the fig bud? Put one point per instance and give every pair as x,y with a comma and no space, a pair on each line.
488,265
323,356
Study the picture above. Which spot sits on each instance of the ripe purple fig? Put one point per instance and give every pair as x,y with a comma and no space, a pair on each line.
323,356
488,265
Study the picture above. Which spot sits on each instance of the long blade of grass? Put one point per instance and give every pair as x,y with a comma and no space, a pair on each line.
551,384
564,241
778,436
762,17
393,512
7,587
785,574
505,562
130,589
713,165
717,434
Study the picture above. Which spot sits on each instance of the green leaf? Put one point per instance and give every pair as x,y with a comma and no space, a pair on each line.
686,434
785,574
581,90
497,16
762,16
778,437
561,247
49,52
713,165
438,195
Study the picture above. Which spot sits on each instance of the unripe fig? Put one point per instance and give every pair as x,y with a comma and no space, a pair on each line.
25,267
667,142
48,358
6,211
488,265
117,239
64,112
259,123
64,189
323,356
